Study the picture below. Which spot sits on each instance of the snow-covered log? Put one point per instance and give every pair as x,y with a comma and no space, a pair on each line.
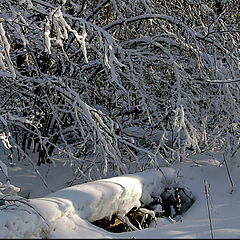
40,217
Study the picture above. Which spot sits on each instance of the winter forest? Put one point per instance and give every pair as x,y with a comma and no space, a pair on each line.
110,89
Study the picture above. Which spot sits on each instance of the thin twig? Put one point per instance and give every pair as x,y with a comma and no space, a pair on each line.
206,190
229,175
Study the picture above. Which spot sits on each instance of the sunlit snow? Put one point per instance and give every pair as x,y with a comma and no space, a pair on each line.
69,211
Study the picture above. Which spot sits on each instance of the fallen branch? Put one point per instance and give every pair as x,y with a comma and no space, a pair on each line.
125,220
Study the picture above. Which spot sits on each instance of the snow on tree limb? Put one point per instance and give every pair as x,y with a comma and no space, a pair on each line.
5,44
75,77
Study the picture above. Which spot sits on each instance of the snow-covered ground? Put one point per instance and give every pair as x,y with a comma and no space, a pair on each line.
67,212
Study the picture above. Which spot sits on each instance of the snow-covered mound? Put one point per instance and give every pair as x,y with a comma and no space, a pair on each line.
78,205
